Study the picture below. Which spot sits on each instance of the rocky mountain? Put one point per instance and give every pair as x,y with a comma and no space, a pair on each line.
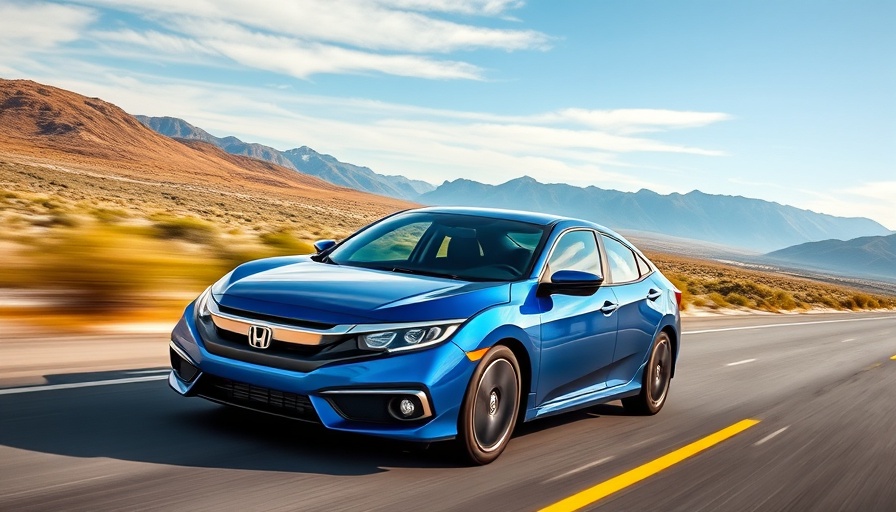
733,221
868,255
328,168
303,159
54,128
180,129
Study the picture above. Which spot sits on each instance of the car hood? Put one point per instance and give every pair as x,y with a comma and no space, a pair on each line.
336,294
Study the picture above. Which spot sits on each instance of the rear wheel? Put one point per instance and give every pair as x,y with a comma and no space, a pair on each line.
655,383
490,406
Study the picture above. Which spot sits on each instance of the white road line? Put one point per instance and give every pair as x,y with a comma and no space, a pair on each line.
745,361
578,470
769,326
32,389
768,437
847,340
142,372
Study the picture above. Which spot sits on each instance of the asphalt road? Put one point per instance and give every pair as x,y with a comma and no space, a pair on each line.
821,386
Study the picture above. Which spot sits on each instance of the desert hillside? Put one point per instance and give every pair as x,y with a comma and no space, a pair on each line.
43,125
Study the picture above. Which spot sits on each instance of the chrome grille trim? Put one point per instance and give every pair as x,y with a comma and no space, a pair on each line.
308,335
280,332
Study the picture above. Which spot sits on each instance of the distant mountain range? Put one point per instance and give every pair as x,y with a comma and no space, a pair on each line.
867,255
303,159
734,221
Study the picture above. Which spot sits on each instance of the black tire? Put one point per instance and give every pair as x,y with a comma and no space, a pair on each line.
490,407
656,379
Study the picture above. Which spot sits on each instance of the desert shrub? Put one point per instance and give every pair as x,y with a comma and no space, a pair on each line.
827,302
109,215
189,229
863,301
104,268
782,300
717,300
58,219
284,242
848,303
741,287
737,299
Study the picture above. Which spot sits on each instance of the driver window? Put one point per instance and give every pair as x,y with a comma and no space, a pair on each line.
575,250
394,246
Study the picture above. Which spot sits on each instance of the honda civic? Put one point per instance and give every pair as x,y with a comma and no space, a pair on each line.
437,324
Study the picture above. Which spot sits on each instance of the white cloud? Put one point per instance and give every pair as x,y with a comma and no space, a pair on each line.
301,59
640,120
532,138
152,40
382,26
301,38
480,7
40,25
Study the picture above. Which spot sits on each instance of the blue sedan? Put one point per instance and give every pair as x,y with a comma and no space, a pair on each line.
436,324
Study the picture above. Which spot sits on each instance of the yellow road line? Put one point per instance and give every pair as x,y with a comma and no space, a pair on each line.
617,483
893,358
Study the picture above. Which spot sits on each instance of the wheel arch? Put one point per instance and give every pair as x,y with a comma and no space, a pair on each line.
524,360
672,332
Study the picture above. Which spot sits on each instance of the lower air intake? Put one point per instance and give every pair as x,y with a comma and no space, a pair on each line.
249,396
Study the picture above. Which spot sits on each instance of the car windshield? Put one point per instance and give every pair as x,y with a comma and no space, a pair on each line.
467,247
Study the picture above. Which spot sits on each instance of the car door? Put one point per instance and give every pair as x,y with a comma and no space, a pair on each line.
638,313
578,334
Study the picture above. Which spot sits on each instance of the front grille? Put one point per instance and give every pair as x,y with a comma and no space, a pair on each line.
287,356
258,398
277,346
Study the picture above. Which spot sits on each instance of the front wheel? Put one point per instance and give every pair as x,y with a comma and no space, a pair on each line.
655,384
490,406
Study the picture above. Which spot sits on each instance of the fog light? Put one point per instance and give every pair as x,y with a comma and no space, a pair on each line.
406,407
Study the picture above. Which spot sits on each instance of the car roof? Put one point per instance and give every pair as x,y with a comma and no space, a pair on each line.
542,219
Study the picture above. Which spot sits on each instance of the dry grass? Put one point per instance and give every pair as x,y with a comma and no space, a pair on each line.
94,246
712,285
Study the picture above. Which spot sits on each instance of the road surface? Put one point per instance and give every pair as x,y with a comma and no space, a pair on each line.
819,390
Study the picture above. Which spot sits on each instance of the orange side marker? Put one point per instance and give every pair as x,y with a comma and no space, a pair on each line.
476,355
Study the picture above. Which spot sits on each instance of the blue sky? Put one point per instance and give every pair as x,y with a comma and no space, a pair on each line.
785,100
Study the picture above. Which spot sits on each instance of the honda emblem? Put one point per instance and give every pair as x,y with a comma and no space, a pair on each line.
260,336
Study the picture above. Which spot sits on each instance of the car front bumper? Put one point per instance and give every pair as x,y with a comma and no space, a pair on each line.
433,379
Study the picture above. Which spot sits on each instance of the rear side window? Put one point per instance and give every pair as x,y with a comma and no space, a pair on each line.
575,250
622,261
643,266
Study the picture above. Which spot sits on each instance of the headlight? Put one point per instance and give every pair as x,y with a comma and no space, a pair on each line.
202,303
406,338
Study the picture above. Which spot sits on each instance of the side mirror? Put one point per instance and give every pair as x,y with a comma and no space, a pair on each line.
323,245
572,282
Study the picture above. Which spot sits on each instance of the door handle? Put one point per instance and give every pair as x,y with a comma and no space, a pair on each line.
608,307
653,294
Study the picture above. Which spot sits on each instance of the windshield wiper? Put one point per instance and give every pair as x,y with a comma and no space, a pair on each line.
404,270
